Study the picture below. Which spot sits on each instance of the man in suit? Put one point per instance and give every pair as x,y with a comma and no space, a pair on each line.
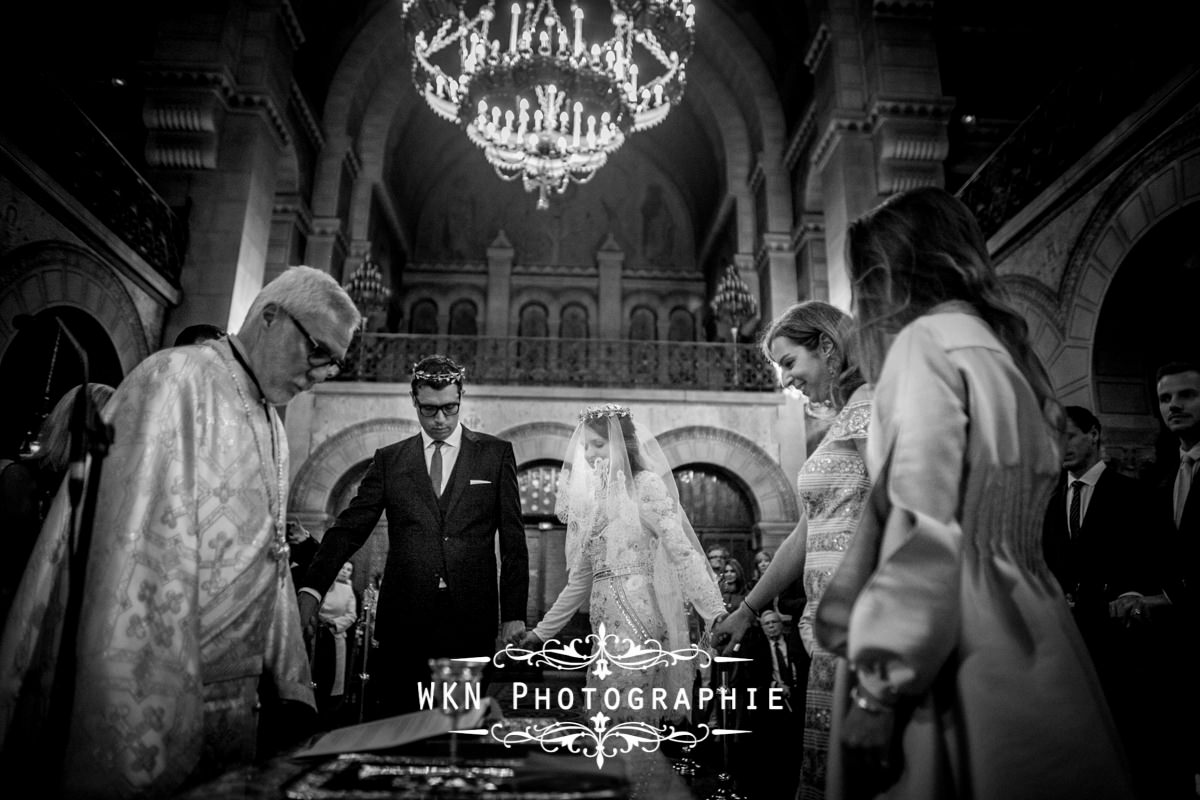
1178,387
778,660
447,492
1100,542
1087,529
1177,503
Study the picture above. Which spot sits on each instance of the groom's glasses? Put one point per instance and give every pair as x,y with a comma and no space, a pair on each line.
431,410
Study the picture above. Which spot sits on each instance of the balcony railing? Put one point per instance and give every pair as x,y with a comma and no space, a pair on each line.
60,137
382,357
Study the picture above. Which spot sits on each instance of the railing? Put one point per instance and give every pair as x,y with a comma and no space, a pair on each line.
382,357
64,142
1075,115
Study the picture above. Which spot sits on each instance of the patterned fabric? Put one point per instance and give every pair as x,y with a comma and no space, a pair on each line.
621,566
833,485
185,606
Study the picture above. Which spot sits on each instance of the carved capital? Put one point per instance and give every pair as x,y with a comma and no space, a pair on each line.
911,142
181,125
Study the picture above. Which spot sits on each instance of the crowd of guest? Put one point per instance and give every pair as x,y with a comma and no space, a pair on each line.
973,603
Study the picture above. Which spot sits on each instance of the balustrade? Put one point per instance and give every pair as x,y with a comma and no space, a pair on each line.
526,361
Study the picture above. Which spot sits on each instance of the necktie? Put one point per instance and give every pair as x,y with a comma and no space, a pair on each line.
435,468
1074,515
1183,484
785,674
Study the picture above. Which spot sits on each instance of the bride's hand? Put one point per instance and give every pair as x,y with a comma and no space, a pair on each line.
729,628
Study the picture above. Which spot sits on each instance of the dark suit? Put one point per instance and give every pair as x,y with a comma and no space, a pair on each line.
1119,549
1180,560
432,542
769,756
1112,553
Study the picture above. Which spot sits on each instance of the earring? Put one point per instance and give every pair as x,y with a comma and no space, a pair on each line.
832,370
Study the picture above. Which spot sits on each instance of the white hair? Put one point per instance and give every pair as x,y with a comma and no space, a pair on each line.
305,292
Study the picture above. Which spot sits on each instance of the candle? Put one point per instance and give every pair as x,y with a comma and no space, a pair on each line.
578,116
633,71
512,33
578,30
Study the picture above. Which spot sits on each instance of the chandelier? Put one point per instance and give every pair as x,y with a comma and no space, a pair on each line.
553,102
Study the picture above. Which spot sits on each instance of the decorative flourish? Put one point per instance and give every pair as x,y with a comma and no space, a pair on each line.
606,410
570,657
600,741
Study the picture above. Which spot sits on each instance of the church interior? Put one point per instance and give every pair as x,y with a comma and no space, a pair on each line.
160,162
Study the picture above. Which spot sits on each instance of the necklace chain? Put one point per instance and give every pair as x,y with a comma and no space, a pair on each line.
280,550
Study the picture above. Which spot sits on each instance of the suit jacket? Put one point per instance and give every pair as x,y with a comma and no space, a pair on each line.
451,539
761,667
1112,553
1182,553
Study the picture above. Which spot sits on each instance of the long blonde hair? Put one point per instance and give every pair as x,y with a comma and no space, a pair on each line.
805,323
921,248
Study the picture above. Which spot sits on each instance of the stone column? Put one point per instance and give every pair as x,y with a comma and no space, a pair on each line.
215,108
291,224
610,259
812,276
881,128
777,274
500,255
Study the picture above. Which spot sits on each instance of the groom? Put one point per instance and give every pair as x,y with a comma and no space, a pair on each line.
447,492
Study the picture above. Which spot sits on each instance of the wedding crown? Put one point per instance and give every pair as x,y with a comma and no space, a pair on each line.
442,375
606,410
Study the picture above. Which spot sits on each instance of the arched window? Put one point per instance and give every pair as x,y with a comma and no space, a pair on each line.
719,509
463,319
643,324
424,317
532,356
533,320
574,322
681,326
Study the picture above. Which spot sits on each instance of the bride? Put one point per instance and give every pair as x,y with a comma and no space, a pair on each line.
629,544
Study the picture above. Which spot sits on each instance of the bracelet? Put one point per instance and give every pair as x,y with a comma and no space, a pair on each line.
869,702
750,608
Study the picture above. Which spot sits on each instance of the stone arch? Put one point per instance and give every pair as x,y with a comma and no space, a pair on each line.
1038,305
317,480
538,441
1159,182
46,274
765,482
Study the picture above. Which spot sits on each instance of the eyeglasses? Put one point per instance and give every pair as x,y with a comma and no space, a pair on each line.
431,410
318,354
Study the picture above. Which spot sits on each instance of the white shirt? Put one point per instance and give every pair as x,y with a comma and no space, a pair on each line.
1089,479
451,447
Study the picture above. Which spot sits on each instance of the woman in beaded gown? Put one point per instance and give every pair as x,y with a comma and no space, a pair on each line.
631,549
809,343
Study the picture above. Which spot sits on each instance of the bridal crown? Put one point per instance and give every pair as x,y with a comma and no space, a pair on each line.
606,410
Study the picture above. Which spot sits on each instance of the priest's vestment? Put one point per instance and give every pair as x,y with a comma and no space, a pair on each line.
188,599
